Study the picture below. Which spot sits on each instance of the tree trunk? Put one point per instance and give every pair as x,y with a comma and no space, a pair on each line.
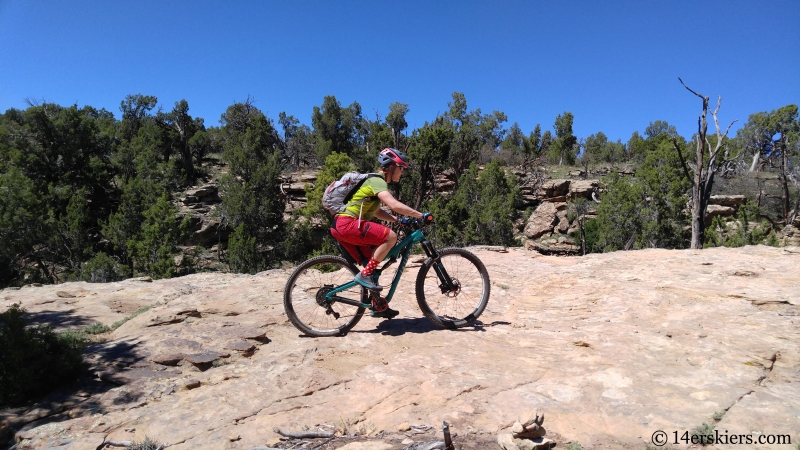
756,160
188,166
703,178
794,212
583,238
785,179
698,186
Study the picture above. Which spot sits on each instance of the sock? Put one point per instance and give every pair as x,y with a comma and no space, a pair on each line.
371,265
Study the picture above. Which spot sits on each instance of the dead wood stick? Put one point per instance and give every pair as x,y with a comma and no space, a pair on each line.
118,443
125,444
303,434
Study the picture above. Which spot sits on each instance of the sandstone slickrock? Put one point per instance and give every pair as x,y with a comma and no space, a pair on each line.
240,346
541,221
167,360
733,351
206,358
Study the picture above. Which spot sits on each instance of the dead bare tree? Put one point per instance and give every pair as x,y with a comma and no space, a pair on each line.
794,176
704,168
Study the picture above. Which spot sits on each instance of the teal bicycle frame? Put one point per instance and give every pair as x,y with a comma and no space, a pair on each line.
402,250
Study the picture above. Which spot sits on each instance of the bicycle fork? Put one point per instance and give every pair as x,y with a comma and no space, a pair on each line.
447,285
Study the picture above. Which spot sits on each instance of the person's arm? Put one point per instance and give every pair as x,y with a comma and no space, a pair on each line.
395,205
383,215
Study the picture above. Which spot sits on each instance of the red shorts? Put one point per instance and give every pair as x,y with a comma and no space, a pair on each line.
359,241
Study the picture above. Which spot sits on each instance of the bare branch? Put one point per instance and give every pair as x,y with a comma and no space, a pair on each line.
729,128
719,102
690,90
118,443
303,434
720,137
32,101
683,162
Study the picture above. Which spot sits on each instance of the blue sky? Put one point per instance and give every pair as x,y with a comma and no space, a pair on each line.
614,65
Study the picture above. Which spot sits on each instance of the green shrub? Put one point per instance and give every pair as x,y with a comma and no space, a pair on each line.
103,269
701,434
243,253
154,251
590,230
772,240
300,239
35,359
96,328
741,232
481,211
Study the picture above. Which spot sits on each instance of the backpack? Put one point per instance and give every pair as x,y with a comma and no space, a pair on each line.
337,195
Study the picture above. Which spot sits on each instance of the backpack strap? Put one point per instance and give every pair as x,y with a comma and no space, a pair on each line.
361,202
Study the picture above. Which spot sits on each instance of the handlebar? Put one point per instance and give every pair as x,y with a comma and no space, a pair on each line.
427,219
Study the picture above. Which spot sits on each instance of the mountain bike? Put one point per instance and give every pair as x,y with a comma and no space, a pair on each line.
452,286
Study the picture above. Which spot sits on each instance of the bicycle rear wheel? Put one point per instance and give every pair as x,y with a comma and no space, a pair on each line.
462,305
304,297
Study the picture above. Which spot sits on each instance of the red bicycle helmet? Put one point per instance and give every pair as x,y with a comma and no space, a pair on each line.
392,156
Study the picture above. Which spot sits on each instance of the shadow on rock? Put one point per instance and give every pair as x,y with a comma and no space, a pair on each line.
76,400
57,319
397,327
120,353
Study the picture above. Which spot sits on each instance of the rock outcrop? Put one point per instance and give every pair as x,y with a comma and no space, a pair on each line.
613,347
547,229
542,220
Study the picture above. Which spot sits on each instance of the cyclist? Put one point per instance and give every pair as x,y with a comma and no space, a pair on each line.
354,229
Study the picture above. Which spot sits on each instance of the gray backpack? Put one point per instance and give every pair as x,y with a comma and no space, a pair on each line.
336,197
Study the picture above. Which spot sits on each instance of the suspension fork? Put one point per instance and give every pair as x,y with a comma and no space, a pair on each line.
447,282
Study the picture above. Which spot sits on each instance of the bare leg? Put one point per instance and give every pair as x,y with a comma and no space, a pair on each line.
382,250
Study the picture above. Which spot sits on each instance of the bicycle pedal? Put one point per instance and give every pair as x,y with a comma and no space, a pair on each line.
386,314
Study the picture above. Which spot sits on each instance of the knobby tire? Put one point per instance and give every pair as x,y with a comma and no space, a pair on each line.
453,310
301,294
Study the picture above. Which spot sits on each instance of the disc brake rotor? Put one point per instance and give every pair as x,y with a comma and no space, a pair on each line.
456,289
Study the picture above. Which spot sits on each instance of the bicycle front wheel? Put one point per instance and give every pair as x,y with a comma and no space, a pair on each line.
462,303
304,297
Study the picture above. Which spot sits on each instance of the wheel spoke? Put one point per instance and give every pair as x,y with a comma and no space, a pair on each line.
466,302
305,301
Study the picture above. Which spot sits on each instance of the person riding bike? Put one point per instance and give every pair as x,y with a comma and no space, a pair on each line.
359,235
